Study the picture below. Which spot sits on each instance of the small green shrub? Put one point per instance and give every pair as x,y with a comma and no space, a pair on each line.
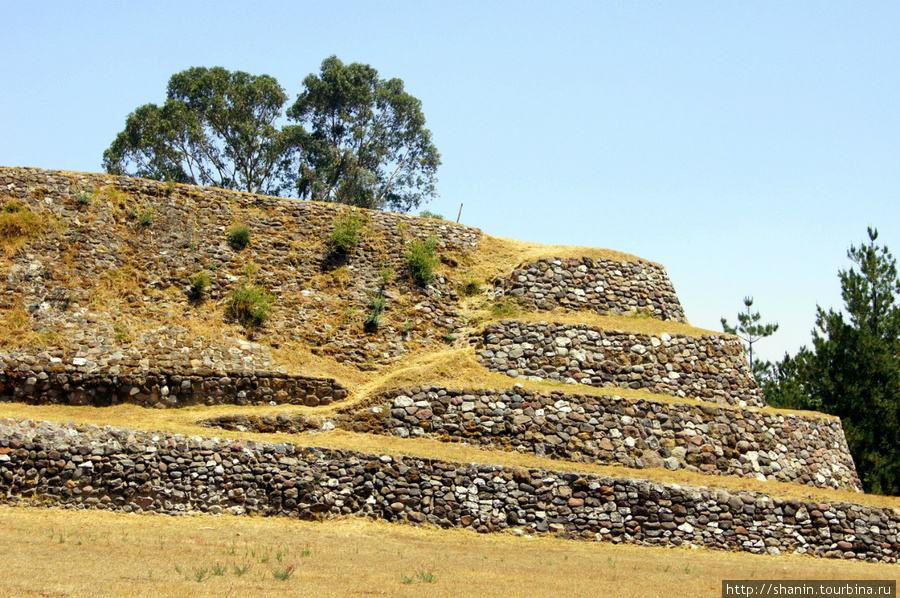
345,232
470,288
238,236
432,215
373,319
146,217
83,197
386,274
421,260
250,304
200,283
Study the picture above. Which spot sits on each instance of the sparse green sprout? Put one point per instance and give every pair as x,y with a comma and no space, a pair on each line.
199,574
346,229
373,319
386,274
200,283
238,236
250,304
83,197
432,215
426,576
146,217
240,570
283,574
421,260
218,569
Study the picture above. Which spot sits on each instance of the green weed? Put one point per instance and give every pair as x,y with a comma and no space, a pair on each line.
345,232
421,260
250,304
238,236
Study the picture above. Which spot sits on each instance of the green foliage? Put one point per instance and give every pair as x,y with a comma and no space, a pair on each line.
432,215
386,274
146,217
283,574
470,288
200,283
853,368
749,329
426,575
215,128
345,232
250,304
781,383
421,260
83,197
363,140
238,236
373,319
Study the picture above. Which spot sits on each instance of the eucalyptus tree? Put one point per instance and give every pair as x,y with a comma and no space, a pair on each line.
216,127
361,140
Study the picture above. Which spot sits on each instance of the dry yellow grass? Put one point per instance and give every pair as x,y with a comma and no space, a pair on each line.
52,552
16,330
497,256
637,324
458,368
18,225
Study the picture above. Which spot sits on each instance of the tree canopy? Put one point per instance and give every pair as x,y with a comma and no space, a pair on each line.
215,128
356,139
362,140
853,367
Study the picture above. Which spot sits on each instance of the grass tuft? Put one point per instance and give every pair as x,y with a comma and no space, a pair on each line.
18,225
345,233
250,304
421,260
238,236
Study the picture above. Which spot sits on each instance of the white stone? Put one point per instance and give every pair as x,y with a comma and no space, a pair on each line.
403,401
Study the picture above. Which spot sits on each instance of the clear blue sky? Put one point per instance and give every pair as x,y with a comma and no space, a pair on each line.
744,145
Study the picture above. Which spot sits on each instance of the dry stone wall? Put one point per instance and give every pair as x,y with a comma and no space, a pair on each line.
605,286
709,439
709,368
164,368
126,470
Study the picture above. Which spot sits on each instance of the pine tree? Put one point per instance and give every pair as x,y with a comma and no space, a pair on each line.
853,370
749,329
